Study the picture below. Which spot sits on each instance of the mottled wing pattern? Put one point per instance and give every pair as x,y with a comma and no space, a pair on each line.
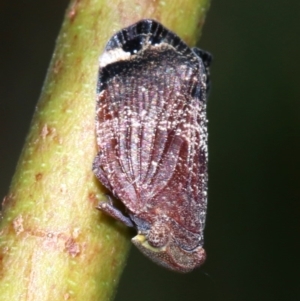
151,129
180,180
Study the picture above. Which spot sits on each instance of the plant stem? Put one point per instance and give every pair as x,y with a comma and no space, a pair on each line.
54,244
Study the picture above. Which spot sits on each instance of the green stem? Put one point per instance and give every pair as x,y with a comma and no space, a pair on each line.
54,244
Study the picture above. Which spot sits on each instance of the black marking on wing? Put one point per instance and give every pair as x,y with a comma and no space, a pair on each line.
134,37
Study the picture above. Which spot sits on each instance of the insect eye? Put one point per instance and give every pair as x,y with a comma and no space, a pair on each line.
158,235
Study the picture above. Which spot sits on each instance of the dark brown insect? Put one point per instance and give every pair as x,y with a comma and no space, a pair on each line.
152,139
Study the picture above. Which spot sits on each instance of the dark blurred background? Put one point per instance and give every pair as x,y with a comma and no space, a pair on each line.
254,131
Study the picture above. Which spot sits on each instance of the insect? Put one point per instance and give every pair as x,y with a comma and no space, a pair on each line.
151,131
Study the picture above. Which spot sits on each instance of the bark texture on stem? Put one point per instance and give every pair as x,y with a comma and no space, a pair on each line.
54,244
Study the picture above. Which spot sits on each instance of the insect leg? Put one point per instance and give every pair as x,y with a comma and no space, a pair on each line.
99,172
114,212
